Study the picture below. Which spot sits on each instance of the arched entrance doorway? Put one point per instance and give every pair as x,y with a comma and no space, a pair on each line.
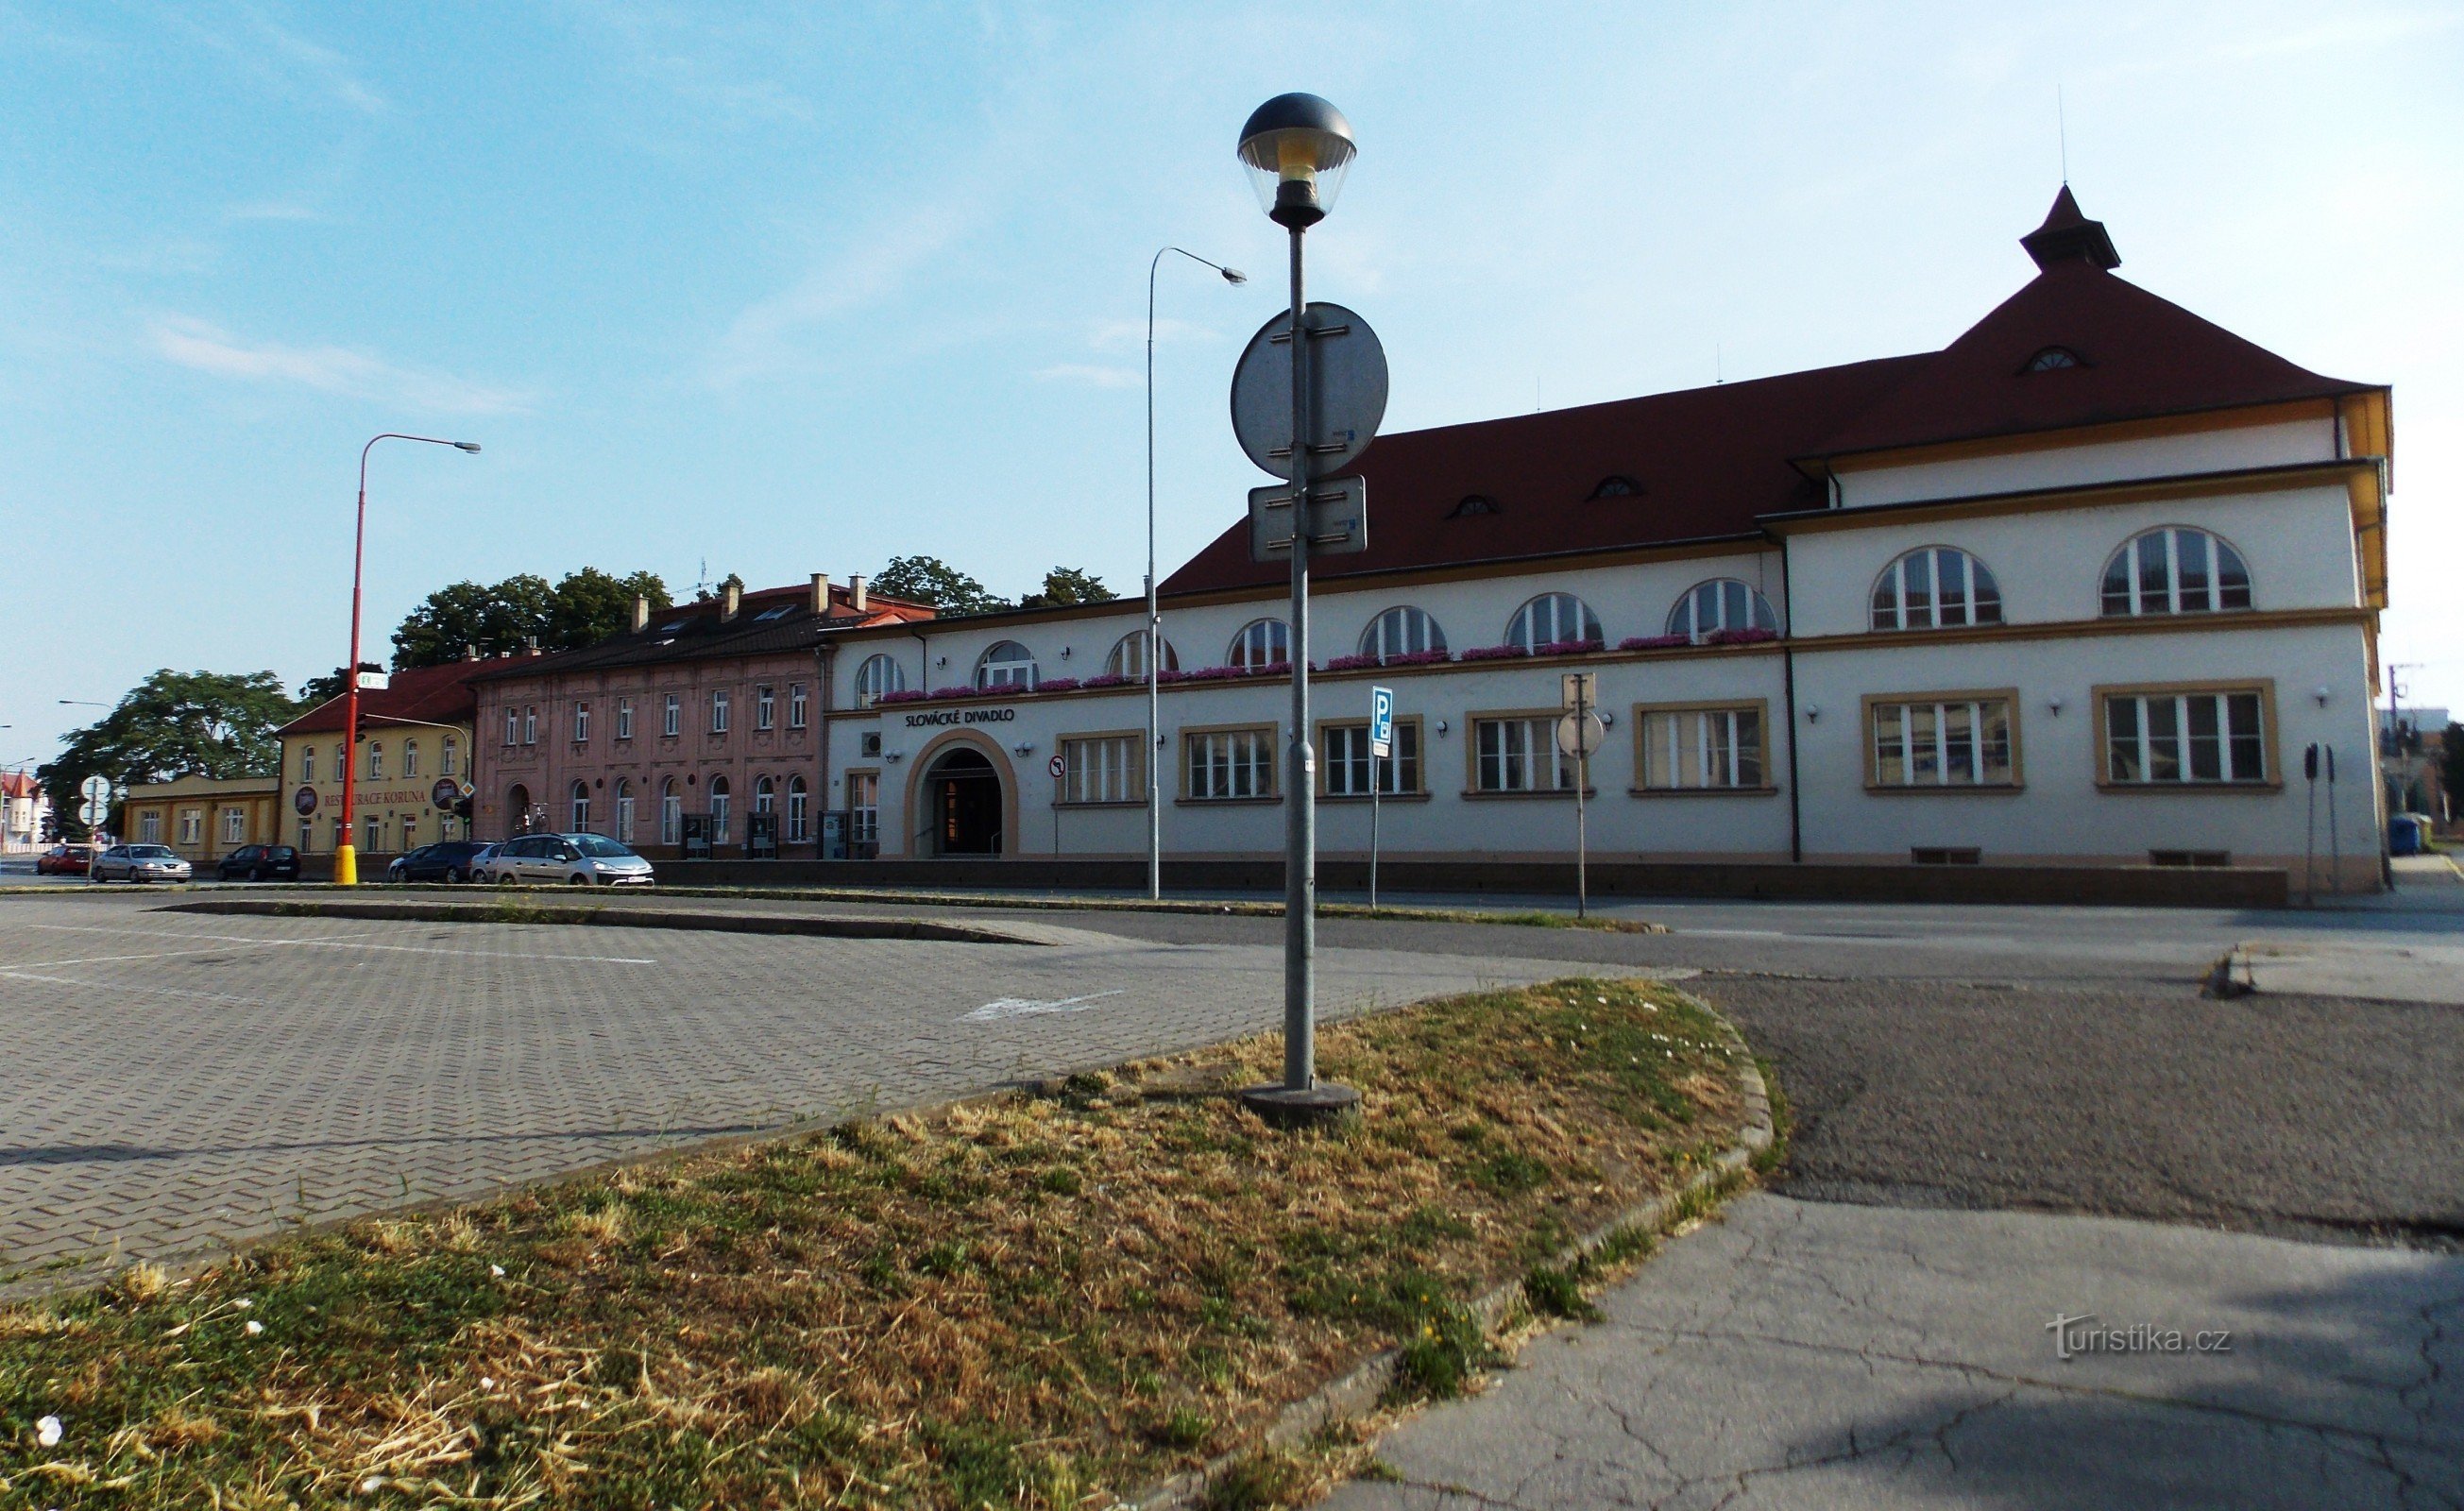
963,796
518,809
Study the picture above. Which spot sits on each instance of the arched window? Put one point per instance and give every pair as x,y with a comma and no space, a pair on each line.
580,815
2051,359
1553,619
2178,569
798,830
879,675
1722,604
1129,658
1401,631
1934,587
1007,664
376,760
1617,485
672,813
1262,643
410,757
718,796
1476,504
766,795
307,763
624,810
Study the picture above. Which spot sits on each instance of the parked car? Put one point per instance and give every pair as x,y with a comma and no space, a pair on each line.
259,862
574,860
448,861
65,859
139,863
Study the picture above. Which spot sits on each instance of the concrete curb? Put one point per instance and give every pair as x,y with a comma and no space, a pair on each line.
1356,1393
524,909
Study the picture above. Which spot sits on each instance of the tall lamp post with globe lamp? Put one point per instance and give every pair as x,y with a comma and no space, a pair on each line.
1154,611
346,855
1297,149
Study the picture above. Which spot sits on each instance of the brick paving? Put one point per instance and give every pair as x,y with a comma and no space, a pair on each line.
170,1083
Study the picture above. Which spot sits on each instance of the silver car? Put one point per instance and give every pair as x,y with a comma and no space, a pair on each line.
571,860
139,863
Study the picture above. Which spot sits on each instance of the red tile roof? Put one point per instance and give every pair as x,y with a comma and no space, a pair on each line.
19,784
421,695
1710,462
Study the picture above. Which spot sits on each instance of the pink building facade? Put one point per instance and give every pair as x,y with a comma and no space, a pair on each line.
697,734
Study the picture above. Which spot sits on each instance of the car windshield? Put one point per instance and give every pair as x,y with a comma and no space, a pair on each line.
150,852
599,849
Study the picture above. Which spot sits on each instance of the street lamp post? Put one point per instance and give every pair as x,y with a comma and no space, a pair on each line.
1155,609
346,855
1297,149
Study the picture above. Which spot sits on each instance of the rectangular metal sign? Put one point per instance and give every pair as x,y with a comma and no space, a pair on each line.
1580,689
1381,722
1338,520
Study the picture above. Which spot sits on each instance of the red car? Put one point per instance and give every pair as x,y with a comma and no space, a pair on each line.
65,859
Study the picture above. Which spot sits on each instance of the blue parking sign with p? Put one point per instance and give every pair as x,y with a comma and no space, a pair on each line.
1381,722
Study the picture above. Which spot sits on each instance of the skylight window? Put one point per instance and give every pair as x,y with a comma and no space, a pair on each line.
780,612
672,628
1474,504
2052,357
1617,485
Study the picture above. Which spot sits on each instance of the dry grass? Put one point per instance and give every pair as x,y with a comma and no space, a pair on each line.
1038,1303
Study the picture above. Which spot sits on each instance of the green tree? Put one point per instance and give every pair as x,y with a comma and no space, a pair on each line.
174,723
494,618
590,605
2451,761
1065,585
928,579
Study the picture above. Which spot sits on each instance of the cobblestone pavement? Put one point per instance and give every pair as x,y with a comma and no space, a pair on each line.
175,1081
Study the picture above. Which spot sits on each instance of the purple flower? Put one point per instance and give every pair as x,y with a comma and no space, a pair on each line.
1494,652
1653,642
1059,685
1740,637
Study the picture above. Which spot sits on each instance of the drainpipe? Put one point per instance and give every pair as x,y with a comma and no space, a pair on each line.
1788,683
825,660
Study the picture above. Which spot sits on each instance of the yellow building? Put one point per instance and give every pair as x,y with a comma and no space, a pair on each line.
203,817
415,739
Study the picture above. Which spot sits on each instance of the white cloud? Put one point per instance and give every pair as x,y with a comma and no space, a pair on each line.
1120,335
208,348
765,338
287,61
1090,373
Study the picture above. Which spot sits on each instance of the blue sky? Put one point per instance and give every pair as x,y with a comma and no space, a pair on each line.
797,289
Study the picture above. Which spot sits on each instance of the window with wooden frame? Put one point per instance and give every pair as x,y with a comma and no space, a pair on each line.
1966,741
1102,768
798,705
765,707
863,807
1936,587
2174,735
1517,753
1702,747
1229,765
1344,760
673,720
624,718
2178,569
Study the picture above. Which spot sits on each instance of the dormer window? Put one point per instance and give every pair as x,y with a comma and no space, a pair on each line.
2052,357
768,614
1617,485
1474,504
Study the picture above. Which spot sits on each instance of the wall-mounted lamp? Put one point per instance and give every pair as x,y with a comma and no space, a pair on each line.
1064,653
1441,726
1608,720
1022,748
2320,693
941,661
2055,703
1812,711
894,755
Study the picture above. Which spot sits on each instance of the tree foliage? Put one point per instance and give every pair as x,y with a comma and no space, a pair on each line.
928,579
1066,585
174,723
2451,761
502,618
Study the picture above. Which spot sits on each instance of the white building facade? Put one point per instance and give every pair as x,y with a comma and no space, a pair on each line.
2081,589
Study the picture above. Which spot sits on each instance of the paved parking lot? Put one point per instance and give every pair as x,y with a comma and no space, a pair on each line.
177,1080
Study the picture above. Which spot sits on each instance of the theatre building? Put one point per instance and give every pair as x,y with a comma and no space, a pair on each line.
2063,604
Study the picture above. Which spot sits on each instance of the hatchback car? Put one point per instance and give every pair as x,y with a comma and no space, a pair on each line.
65,859
259,862
448,861
574,860
139,863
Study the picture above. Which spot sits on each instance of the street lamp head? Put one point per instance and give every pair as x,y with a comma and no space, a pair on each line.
472,446
1234,276
1296,148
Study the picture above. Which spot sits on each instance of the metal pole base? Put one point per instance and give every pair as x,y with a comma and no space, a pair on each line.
1300,1107
346,866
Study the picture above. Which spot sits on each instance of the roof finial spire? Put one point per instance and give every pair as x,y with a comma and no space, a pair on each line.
2069,236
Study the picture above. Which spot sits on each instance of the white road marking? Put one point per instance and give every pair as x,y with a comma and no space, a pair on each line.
140,991
348,942
994,1012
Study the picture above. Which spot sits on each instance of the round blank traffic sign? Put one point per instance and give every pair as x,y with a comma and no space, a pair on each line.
1347,383
1583,738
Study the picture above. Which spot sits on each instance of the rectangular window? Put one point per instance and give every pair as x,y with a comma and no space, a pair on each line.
410,757
582,724
624,718
796,705
1225,764
376,764
445,758
2191,738
530,724
718,711
513,726
1347,760
1102,768
1692,749
1955,742
149,828
673,721
193,823
307,763
765,708
1519,755
863,807
234,825
372,839
307,834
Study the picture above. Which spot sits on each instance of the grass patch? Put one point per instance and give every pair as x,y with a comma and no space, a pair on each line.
1036,1302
